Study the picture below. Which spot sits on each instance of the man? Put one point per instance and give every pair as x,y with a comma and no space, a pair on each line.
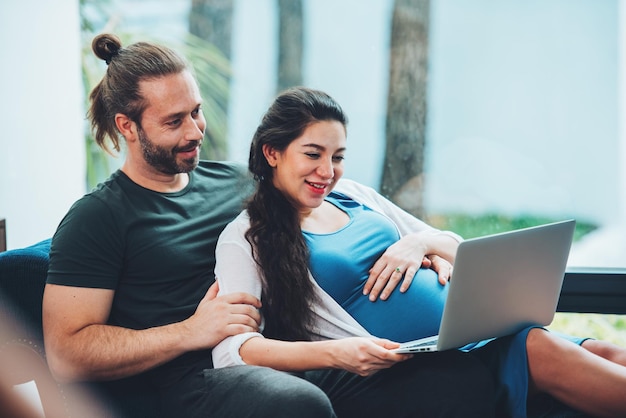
129,300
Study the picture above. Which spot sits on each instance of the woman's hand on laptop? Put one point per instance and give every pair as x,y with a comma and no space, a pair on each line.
365,356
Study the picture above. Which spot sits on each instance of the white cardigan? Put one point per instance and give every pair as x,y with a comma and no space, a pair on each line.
236,271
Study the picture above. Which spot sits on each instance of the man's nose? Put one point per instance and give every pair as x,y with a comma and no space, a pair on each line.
193,130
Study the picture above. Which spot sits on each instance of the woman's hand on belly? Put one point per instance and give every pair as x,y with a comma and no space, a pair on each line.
401,260
441,266
404,258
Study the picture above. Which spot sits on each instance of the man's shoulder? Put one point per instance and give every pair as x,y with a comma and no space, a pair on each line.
112,192
212,168
222,176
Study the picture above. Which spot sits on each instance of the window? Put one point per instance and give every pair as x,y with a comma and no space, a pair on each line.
525,107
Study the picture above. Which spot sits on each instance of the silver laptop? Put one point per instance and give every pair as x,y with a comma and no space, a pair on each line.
501,284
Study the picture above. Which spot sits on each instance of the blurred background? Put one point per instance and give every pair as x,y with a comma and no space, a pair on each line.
479,116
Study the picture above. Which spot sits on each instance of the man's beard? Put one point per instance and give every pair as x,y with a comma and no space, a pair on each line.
164,160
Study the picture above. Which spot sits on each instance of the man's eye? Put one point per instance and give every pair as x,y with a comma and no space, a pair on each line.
174,122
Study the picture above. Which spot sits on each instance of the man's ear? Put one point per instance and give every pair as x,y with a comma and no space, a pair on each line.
271,155
126,126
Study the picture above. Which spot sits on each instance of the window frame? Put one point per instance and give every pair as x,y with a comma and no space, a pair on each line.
599,290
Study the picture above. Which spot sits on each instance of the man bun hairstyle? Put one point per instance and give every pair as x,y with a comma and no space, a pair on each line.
119,90
106,46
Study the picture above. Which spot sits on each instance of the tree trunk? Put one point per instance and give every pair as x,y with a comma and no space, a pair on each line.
212,20
290,44
403,168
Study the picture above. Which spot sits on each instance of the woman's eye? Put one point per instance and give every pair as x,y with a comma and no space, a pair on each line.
312,155
338,158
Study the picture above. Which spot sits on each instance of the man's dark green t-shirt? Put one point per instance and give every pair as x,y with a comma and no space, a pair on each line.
156,250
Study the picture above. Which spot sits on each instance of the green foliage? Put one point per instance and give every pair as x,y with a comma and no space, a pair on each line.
469,226
602,327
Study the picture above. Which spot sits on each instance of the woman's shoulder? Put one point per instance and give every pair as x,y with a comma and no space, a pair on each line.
359,192
237,227
345,185
354,189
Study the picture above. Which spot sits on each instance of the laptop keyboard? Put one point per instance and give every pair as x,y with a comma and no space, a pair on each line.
422,344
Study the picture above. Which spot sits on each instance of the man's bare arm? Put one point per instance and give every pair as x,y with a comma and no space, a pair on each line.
80,346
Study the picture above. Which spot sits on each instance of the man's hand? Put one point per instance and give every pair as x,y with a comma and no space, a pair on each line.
216,318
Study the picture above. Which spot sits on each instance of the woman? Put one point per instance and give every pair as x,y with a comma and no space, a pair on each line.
306,243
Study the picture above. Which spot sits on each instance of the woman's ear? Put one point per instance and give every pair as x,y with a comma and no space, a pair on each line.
126,126
271,155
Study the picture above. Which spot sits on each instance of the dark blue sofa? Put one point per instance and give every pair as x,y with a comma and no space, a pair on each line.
22,279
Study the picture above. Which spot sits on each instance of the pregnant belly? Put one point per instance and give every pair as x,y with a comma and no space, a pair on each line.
404,316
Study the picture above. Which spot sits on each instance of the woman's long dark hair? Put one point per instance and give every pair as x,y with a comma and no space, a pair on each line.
275,234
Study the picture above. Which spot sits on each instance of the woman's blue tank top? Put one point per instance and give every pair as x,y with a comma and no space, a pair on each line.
340,263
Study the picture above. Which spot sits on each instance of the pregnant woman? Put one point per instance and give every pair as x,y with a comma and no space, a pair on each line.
319,251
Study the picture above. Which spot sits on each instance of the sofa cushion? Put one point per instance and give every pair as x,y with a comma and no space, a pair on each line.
22,279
